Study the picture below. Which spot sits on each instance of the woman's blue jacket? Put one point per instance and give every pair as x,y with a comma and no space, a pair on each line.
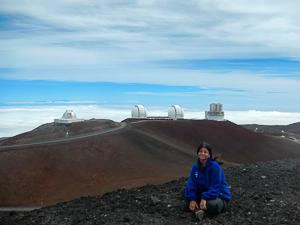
207,183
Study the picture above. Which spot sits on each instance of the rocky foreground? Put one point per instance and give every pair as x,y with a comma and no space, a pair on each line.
264,193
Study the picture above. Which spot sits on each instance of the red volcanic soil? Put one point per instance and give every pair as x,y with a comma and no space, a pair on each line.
140,153
53,131
45,174
231,142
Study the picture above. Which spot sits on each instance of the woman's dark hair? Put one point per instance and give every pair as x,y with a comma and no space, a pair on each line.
207,146
204,144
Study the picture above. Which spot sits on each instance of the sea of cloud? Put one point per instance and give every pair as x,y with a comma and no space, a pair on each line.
15,120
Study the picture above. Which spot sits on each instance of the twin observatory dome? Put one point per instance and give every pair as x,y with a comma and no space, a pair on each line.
139,112
176,112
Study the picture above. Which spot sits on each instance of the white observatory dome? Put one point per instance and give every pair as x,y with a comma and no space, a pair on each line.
69,114
175,112
68,117
138,111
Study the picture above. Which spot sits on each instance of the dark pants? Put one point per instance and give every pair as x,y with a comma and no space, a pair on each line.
214,206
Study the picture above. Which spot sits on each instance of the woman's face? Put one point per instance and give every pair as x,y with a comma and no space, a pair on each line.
203,154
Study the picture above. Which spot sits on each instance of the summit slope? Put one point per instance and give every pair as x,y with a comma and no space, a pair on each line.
142,152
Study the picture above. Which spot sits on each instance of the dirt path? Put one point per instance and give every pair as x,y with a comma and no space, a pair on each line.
64,140
180,148
18,209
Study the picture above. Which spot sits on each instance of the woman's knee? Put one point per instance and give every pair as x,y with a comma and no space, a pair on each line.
215,206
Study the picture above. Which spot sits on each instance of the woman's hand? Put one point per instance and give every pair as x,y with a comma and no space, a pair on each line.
203,204
193,205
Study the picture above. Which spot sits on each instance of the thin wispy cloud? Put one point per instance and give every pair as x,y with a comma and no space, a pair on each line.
142,31
108,33
182,94
267,67
196,93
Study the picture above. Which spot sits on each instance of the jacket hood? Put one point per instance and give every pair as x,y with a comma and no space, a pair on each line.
208,164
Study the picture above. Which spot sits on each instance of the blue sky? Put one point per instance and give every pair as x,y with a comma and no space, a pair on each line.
244,54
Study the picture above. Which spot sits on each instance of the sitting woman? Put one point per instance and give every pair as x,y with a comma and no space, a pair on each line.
206,189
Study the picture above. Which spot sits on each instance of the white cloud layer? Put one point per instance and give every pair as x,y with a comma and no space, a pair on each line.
16,120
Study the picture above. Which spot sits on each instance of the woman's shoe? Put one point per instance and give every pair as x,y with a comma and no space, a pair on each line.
199,214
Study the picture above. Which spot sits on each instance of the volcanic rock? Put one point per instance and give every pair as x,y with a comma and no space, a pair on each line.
273,200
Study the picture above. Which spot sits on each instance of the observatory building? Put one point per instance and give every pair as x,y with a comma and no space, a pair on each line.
175,112
215,112
138,111
68,117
